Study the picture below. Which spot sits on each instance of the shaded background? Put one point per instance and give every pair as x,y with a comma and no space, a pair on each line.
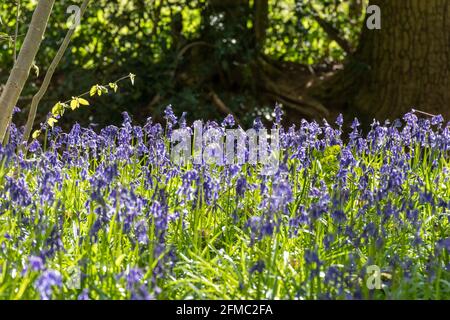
214,57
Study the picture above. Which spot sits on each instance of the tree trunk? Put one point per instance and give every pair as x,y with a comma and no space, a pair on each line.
48,76
407,60
21,69
261,21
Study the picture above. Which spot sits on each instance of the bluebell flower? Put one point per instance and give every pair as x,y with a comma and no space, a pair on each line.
36,263
281,196
258,267
141,293
126,117
133,276
84,295
18,191
311,257
355,124
328,240
332,276
443,244
228,121
182,120
340,120
169,115
141,232
34,146
46,283
16,110
278,113
241,186
257,124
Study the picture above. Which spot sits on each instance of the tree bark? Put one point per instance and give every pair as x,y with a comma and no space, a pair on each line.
48,76
407,61
21,69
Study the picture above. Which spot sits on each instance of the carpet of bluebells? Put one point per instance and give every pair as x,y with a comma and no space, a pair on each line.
105,214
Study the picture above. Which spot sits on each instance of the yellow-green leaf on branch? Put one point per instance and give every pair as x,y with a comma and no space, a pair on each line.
93,90
113,86
74,103
83,102
36,134
51,122
58,109
102,89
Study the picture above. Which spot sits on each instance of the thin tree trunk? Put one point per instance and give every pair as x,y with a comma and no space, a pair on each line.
261,20
21,69
48,76
16,34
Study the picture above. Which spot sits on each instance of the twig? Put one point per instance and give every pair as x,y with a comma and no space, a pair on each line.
423,112
87,92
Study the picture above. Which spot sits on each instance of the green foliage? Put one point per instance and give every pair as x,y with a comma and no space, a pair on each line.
155,39
294,35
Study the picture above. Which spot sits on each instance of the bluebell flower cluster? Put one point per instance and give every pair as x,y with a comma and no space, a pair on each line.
138,226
